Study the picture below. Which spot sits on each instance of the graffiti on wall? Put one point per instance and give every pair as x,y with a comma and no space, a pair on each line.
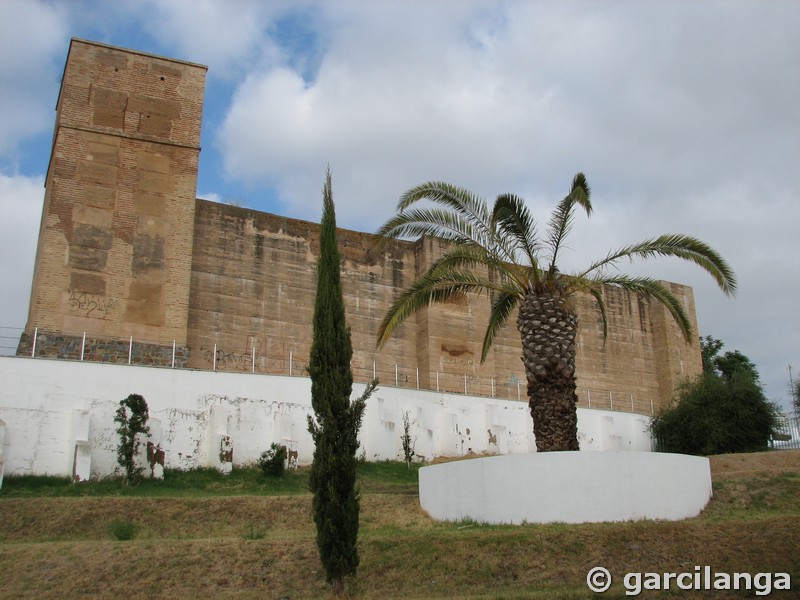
89,303
227,359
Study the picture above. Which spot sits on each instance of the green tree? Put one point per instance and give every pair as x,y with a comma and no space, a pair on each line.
498,250
727,364
335,430
131,418
716,413
709,350
794,393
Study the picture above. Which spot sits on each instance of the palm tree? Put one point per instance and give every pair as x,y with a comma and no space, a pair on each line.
498,250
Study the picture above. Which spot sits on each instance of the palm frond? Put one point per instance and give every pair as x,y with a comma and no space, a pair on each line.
502,306
597,293
471,206
681,246
563,217
439,284
651,288
443,224
460,257
511,217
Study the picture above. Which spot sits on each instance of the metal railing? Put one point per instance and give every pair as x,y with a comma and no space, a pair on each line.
9,339
786,435
276,355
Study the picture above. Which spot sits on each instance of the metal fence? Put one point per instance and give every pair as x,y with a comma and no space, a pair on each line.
276,355
9,340
786,436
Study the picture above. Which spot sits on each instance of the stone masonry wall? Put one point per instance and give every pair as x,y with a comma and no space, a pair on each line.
252,294
106,350
126,250
114,251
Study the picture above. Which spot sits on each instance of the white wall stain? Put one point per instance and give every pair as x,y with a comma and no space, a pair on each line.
194,408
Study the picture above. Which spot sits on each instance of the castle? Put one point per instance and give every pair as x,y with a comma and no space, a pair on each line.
132,267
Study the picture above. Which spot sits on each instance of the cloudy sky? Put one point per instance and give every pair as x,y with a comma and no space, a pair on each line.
685,117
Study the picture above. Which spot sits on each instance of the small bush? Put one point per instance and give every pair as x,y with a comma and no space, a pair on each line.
273,461
251,532
123,529
131,418
408,442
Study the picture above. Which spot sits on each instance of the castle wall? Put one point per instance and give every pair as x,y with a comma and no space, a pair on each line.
115,245
131,267
253,289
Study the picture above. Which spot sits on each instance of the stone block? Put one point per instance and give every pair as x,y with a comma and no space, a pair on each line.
97,173
161,183
103,149
111,58
155,452
148,253
221,443
81,447
90,215
149,204
87,283
99,196
156,106
155,125
90,236
82,462
225,454
146,292
143,312
152,161
89,259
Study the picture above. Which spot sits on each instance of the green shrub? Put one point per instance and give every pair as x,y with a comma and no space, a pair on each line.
251,532
123,529
131,418
408,442
273,461
716,415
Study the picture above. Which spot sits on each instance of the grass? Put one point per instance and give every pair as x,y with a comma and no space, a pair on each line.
203,483
201,535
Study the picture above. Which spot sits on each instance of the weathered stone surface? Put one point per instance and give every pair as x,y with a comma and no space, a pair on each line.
91,236
90,259
87,283
151,261
118,202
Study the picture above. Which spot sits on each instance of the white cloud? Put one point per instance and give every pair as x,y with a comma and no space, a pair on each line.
229,37
682,115
21,209
212,196
31,59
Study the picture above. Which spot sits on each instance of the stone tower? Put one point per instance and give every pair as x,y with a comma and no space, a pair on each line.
115,244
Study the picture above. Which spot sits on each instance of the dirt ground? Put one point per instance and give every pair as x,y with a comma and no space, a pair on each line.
776,461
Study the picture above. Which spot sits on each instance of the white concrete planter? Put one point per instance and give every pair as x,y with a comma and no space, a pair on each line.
568,487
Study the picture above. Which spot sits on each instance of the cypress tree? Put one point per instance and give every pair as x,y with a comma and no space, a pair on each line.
335,430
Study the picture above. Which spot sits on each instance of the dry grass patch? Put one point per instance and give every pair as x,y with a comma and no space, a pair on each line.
263,546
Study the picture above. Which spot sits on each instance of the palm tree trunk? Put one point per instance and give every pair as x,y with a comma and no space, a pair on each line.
548,327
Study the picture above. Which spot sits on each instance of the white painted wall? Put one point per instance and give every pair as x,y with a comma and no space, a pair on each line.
50,407
567,487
